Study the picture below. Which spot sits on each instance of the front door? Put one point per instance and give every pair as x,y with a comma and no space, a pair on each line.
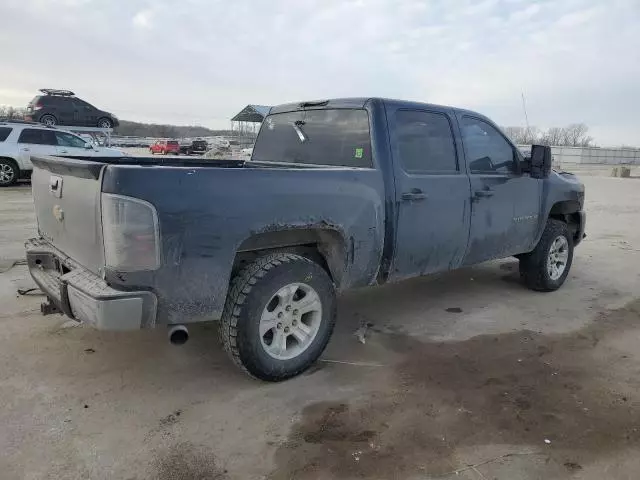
432,193
71,146
505,203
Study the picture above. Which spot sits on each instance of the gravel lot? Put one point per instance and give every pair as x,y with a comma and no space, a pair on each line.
467,368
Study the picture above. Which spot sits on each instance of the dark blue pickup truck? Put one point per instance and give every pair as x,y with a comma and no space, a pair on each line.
338,194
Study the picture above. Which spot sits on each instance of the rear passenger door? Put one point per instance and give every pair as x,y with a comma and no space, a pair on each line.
85,114
432,193
62,109
36,141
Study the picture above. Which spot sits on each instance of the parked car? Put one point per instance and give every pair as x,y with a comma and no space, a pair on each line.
62,107
21,140
165,147
198,147
339,194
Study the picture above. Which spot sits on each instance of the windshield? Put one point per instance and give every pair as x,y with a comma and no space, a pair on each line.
335,137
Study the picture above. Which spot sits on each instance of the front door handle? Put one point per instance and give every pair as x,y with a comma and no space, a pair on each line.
64,151
484,193
414,194
25,150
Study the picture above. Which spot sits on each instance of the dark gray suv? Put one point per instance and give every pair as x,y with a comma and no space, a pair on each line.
62,107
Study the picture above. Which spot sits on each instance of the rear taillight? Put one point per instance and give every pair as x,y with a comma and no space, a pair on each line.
37,106
131,233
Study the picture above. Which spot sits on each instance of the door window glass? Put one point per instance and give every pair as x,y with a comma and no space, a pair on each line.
37,136
487,149
425,142
68,140
4,133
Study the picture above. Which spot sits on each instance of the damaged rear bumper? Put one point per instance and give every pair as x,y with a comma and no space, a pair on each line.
83,295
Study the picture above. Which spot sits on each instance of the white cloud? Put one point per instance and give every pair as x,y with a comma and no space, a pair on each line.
142,19
575,60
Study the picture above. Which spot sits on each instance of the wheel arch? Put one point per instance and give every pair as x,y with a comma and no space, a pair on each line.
326,246
568,211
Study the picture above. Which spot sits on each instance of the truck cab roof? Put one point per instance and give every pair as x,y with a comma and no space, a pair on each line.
361,102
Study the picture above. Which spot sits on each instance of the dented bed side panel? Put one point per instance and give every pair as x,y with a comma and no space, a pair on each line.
206,214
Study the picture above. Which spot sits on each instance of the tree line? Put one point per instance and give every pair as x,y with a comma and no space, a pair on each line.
574,135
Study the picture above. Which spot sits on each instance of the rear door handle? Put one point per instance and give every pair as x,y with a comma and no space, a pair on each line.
414,194
484,193
25,150
64,151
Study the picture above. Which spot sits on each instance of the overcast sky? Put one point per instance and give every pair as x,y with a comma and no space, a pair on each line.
201,61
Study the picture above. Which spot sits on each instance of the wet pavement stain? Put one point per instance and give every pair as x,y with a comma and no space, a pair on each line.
516,389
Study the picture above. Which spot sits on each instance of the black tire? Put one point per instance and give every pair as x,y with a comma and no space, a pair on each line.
105,123
533,265
9,172
48,120
251,291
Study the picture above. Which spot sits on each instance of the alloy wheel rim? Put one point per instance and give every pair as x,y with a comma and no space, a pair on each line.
558,257
6,173
290,321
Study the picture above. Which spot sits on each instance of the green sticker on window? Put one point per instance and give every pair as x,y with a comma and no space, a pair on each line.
359,152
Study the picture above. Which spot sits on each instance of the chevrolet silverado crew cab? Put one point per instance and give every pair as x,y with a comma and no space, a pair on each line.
338,194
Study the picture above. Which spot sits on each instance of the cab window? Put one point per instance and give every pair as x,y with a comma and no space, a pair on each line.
488,152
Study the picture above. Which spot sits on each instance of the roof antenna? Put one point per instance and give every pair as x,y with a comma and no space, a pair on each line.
524,107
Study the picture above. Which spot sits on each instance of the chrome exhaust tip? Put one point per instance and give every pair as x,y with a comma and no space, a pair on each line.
178,334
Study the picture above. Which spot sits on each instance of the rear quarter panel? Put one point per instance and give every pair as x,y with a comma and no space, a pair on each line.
205,214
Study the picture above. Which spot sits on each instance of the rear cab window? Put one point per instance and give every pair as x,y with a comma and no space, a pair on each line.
4,133
331,137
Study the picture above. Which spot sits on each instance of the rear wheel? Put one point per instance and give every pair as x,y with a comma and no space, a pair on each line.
105,123
49,120
546,268
279,316
9,172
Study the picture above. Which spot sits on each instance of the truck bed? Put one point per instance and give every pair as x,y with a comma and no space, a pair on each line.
207,211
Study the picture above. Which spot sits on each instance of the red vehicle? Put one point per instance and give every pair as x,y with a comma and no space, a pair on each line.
165,147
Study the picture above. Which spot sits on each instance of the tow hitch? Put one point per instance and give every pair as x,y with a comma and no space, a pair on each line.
49,308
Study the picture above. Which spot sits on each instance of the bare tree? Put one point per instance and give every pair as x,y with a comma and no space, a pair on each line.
12,113
574,135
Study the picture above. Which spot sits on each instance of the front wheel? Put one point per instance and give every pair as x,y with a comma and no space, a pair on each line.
279,316
546,267
105,123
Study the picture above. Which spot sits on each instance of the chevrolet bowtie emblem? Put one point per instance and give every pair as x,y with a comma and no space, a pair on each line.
58,213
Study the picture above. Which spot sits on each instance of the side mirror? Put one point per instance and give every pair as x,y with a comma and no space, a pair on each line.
540,161
88,146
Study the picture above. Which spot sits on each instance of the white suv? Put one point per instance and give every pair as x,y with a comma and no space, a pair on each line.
20,140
